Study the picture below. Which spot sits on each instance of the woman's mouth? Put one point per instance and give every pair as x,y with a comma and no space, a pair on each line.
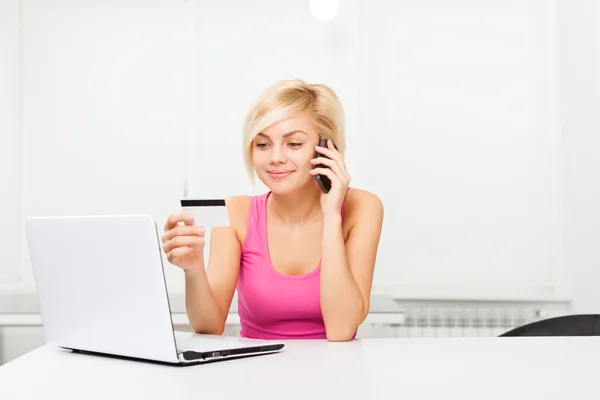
280,174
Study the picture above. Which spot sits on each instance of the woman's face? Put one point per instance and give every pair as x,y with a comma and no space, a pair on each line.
282,153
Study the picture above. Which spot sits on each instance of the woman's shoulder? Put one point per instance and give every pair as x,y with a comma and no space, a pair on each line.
238,209
359,198
235,203
361,203
240,204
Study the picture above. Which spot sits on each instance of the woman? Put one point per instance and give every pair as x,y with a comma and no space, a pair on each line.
301,259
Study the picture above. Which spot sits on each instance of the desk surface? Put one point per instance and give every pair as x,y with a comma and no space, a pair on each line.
453,368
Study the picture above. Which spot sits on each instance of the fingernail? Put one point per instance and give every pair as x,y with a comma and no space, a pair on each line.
201,230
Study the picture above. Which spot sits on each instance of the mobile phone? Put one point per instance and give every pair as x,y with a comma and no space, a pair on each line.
323,181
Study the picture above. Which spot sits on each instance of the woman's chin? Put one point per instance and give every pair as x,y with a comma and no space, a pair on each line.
280,188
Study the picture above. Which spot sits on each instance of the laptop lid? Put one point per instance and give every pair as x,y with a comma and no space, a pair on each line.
101,285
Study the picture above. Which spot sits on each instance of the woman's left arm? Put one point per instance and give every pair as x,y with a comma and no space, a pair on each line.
346,266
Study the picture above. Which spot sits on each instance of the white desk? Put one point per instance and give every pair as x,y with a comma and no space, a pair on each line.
453,368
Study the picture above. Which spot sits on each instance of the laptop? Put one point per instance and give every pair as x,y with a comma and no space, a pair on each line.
102,290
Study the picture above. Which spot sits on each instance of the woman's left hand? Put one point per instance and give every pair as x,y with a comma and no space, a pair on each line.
331,203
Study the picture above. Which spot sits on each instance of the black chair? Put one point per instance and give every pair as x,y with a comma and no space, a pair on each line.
567,325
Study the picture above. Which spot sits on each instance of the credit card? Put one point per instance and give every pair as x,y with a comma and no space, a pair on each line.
207,212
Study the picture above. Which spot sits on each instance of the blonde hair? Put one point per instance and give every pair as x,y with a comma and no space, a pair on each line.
288,97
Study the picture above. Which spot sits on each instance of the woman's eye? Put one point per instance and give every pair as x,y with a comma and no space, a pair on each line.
295,144
261,144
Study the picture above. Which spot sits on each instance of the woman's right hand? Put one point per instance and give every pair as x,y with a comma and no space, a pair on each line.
184,244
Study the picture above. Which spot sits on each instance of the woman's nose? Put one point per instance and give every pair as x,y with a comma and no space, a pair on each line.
277,155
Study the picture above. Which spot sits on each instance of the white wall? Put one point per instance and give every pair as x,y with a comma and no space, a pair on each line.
452,120
9,142
104,108
579,33
462,110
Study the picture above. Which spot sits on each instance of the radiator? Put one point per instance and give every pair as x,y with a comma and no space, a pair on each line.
460,322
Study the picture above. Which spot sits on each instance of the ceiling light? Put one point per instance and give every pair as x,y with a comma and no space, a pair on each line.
324,10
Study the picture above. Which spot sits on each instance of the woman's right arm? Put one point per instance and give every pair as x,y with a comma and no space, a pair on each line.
208,291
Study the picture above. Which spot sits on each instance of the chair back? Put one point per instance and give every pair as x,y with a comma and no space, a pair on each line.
567,325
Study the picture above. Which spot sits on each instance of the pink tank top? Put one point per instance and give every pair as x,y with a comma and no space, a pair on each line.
272,305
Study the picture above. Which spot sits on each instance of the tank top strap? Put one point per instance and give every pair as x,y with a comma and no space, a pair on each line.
256,221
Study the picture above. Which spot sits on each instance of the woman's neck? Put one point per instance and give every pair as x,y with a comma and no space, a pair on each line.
297,207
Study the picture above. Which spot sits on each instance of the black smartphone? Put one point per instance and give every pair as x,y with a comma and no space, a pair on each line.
323,181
